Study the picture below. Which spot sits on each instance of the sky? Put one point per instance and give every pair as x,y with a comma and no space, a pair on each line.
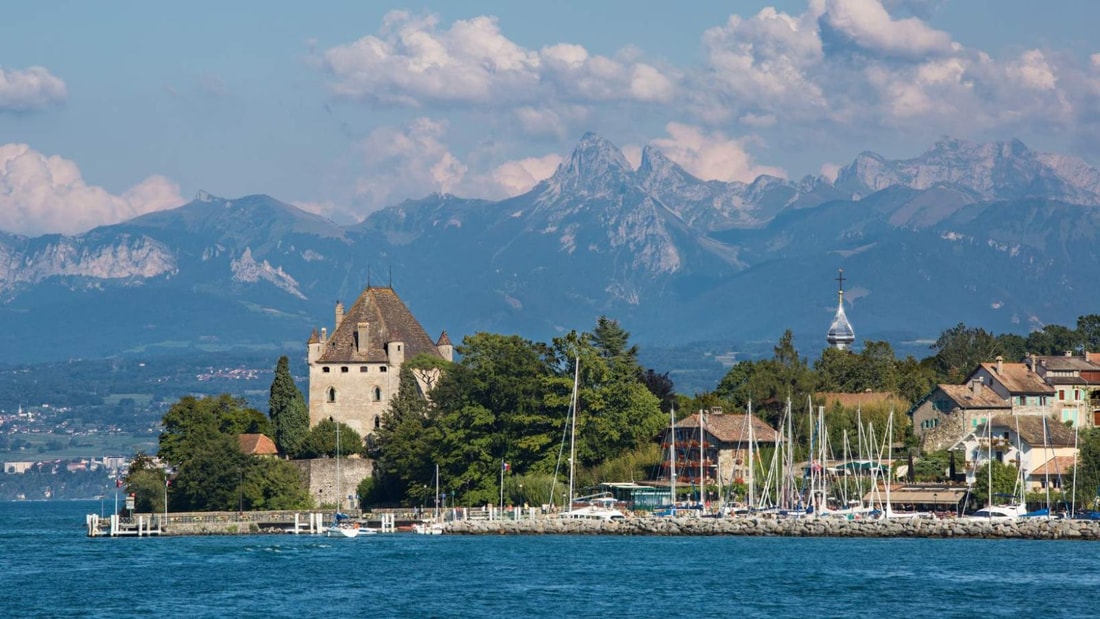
112,110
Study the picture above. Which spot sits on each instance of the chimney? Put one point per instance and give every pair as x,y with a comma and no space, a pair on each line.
976,386
362,336
1069,353
324,335
1000,363
339,315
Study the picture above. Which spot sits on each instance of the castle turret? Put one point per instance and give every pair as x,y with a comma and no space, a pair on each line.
313,347
841,336
446,349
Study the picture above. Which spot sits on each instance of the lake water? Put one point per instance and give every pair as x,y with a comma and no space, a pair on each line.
48,568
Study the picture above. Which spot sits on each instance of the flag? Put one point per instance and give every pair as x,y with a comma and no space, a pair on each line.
504,466
167,482
118,482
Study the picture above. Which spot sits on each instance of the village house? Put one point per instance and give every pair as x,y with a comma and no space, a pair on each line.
950,411
1042,449
1076,382
724,452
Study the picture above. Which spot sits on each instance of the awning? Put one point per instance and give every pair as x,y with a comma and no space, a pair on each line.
918,496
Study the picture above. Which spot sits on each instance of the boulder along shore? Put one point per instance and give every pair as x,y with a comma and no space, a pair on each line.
790,527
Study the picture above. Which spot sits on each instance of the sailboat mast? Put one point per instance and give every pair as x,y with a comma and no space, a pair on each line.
702,474
672,458
339,490
573,430
752,467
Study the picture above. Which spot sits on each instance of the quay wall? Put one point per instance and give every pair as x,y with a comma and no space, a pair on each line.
319,476
791,527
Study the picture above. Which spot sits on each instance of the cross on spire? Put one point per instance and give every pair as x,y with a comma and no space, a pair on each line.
840,279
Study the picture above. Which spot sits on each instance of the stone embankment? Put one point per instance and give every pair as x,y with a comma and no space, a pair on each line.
790,527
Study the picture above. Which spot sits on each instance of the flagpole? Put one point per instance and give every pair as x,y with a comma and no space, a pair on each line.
502,488
166,482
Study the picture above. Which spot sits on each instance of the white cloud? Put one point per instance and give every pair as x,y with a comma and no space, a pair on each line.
711,156
867,24
43,194
409,162
29,90
516,177
761,65
1033,71
414,62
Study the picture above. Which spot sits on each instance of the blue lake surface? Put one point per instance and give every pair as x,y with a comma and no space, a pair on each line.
48,568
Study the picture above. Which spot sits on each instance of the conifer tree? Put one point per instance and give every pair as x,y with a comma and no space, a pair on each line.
288,412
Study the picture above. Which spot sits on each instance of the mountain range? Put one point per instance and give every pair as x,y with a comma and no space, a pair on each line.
994,235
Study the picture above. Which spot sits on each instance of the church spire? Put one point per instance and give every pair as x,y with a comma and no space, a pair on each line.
841,336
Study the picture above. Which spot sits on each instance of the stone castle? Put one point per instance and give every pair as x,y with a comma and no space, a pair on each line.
355,371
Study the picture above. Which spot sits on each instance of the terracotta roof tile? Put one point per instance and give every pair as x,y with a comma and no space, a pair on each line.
257,445
732,428
1032,430
1058,465
1018,378
854,400
965,397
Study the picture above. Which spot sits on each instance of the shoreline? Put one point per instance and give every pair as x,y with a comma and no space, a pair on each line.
1032,529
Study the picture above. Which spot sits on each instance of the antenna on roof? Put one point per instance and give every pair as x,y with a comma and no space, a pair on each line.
368,275
391,276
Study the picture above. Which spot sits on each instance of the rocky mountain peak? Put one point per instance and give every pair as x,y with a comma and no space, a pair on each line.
595,166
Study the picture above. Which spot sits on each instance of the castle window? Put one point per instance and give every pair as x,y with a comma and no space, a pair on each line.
377,394
382,369
343,369
331,394
363,368
325,369
377,422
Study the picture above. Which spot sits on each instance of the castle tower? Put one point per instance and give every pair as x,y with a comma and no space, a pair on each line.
841,336
355,372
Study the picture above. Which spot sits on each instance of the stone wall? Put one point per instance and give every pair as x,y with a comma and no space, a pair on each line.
319,476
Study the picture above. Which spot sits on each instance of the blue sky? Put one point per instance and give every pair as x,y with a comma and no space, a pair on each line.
111,110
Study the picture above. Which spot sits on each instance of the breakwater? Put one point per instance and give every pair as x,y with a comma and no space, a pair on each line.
790,527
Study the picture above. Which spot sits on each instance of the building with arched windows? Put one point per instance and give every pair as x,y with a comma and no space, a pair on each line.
355,371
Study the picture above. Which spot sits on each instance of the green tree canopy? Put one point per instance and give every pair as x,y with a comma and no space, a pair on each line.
288,411
321,441
200,445
960,349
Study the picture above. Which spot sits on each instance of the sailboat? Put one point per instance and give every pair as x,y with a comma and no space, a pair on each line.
670,509
342,525
599,507
435,525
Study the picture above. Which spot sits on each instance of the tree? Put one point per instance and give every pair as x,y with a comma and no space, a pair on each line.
1088,469
200,446
1088,331
1052,340
403,447
427,369
1004,483
288,411
321,440
146,482
960,349
661,386
915,379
